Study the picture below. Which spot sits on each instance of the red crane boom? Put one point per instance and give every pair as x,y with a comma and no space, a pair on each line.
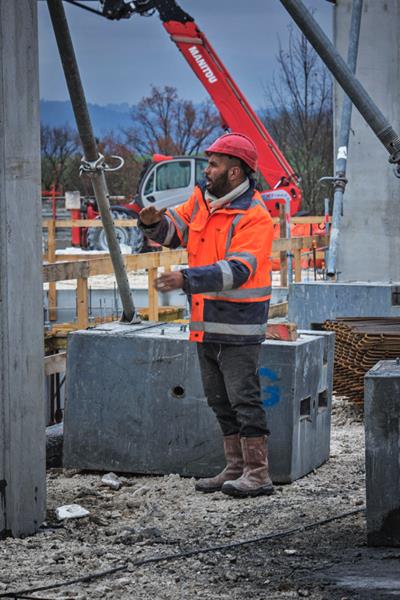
235,111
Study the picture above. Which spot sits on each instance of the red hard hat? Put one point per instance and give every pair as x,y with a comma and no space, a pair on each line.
236,144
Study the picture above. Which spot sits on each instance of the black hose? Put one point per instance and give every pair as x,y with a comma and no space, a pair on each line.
30,598
79,5
186,554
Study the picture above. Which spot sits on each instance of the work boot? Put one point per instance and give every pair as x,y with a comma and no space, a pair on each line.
255,480
233,469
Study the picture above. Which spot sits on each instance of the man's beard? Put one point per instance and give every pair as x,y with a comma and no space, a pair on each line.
220,186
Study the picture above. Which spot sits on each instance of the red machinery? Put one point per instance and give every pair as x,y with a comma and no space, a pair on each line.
236,113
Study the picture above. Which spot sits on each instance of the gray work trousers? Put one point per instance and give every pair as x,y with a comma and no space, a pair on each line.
232,387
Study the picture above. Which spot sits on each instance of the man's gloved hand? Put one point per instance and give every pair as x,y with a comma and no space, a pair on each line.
150,215
169,281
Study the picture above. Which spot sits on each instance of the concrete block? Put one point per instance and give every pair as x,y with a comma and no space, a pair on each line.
135,403
54,446
298,404
382,443
324,398
326,375
315,302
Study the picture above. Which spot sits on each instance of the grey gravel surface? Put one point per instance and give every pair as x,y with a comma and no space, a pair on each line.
157,516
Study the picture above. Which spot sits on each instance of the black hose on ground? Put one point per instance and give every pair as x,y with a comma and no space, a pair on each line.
19,595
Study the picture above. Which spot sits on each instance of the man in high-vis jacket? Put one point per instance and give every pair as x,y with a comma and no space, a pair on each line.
228,232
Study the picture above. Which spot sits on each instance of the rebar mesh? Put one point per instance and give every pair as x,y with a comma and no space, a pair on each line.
360,343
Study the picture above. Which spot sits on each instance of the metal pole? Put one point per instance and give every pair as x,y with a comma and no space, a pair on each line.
288,202
93,162
327,229
339,181
353,88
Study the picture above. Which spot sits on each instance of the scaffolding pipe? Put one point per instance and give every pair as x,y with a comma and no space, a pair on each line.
350,84
93,162
339,180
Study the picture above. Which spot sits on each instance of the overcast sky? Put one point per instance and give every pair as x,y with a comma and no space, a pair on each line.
120,60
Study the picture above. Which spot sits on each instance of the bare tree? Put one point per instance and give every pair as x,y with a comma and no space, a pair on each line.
164,123
58,147
300,118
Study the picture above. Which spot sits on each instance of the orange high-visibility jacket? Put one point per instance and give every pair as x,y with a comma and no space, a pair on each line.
229,274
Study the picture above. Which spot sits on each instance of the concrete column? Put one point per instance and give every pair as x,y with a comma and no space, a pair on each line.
369,246
22,421
382,450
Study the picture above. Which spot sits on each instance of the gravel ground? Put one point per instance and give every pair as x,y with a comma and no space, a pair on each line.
157,516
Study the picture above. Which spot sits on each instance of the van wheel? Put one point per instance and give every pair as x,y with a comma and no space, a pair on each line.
126,236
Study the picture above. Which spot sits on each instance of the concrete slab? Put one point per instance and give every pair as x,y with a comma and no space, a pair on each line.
315,302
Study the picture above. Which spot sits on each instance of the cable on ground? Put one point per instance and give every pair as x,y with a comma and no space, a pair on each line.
19,595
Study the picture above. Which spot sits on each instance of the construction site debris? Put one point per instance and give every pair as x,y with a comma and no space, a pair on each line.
287,332
141,491
280,309
360,343
71,511
112,481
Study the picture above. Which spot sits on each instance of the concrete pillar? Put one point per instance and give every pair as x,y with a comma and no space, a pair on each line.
22,423
369,246
382,450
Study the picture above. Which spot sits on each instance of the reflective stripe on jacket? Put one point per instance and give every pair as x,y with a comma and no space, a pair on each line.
229,274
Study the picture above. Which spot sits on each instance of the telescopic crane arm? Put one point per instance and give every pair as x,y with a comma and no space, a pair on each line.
236,113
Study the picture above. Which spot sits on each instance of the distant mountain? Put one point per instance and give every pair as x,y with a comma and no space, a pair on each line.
104,118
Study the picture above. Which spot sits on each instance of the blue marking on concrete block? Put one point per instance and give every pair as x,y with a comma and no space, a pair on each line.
271,395
264,372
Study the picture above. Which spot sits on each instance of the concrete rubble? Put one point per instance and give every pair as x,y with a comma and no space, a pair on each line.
112,481
71,511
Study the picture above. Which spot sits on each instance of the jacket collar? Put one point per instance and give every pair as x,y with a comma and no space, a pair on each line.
241,203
